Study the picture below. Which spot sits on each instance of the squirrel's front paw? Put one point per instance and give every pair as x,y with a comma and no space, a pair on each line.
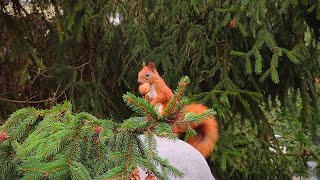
144,88
149,99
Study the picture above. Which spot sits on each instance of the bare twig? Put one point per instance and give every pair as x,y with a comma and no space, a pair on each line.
63,92
35,96
27,102
51,99
83,65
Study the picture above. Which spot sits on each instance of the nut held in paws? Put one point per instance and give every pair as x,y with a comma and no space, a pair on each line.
144,88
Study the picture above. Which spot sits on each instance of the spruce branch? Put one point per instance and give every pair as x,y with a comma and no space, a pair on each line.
16,118
248,66
169,168
134,123
172,105
258,63
115,172
44,168
127,166
163,129
141,106
291,56
150,144
196,118
79,171
55,145
190,133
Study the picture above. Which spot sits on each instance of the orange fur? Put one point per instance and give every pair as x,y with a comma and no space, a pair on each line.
207,130
161,94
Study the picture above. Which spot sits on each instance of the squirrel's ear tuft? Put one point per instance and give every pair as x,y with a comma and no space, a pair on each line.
143,64
151,66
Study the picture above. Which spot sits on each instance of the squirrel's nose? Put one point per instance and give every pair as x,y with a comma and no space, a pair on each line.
139,81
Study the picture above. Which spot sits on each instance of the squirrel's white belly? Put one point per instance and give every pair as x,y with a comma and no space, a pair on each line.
152,94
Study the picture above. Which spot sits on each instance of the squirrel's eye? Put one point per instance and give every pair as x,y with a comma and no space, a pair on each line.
147,75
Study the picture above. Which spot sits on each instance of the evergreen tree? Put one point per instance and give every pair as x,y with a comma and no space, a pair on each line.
254,62
59,144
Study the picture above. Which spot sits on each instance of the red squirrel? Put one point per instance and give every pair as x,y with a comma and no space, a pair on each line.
155,90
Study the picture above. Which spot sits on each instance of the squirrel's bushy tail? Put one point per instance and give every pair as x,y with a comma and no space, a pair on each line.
207,131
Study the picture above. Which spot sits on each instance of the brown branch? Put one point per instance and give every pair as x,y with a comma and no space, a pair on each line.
129,155
34,96
52,99
75,146
38,75
83,65
63,92
140,13
304,153
168,110
27,102
91,58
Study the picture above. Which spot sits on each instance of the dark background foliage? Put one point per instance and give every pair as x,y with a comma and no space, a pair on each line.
254,62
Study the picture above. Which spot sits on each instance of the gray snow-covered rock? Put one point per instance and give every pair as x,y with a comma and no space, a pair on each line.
184,157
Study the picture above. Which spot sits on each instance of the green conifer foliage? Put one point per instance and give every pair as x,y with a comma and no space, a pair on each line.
244,58
54,144
58,144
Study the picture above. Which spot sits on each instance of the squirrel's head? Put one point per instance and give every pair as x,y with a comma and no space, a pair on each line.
148,74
